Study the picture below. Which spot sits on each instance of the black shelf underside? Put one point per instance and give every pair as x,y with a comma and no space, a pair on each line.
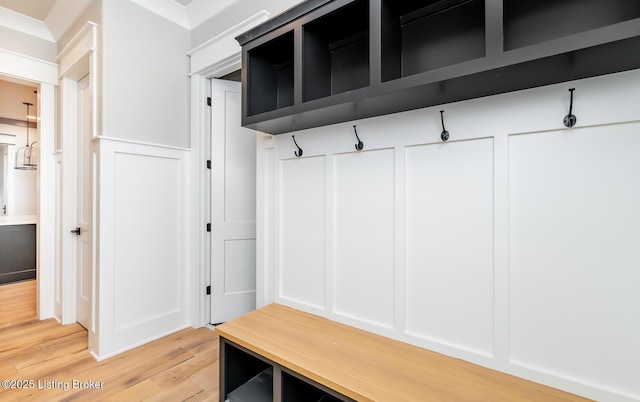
375,101
346,60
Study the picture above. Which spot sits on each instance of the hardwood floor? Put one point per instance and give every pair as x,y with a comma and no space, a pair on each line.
179,367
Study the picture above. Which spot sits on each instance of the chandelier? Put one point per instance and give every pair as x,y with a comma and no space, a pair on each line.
26,157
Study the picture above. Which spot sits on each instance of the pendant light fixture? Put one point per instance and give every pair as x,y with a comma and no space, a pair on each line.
26,158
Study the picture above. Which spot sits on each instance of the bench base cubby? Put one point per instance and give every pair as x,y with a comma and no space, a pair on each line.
246,376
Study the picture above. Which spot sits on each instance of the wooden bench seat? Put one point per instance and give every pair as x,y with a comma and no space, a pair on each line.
367,367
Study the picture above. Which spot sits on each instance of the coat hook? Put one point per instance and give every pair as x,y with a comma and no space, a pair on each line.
570,120
297,153
445,134
360,144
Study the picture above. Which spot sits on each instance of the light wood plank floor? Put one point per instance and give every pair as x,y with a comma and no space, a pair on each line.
179,367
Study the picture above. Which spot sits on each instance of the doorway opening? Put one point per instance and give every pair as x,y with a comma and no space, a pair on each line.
19,206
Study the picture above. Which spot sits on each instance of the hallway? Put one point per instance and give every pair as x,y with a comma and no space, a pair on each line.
179,367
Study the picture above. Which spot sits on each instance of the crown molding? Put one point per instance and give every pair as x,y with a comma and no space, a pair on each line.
167,9
22,23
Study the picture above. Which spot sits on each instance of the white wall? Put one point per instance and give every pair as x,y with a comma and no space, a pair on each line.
143,179
145,76
11,102
143,271
513,245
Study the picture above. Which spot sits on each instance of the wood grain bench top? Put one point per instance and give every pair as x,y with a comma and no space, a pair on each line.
368,367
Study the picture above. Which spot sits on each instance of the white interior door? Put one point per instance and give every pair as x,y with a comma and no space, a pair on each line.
84,211
233,206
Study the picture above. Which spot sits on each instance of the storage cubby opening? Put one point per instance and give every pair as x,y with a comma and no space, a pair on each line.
421,35
246,375
270,75
336,52
295,389
530,22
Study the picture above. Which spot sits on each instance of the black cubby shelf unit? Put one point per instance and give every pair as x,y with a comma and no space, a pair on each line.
330,61
419,36
248,377
335,52
532,22
270,75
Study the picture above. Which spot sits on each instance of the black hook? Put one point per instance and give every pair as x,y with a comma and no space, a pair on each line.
297,153
360,144
570,120
445,134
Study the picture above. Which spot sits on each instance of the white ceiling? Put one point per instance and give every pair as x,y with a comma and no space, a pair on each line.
184,2
49,19
37,9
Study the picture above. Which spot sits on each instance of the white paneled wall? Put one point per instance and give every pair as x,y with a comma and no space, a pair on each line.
514,245
574,254
363,236
142,271
147,213
449,244
303,269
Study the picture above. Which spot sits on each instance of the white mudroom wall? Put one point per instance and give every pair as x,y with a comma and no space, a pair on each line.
142,277
513,245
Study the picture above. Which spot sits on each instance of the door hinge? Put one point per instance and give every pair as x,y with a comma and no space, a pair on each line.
209,289
208,101
208,227
208,164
